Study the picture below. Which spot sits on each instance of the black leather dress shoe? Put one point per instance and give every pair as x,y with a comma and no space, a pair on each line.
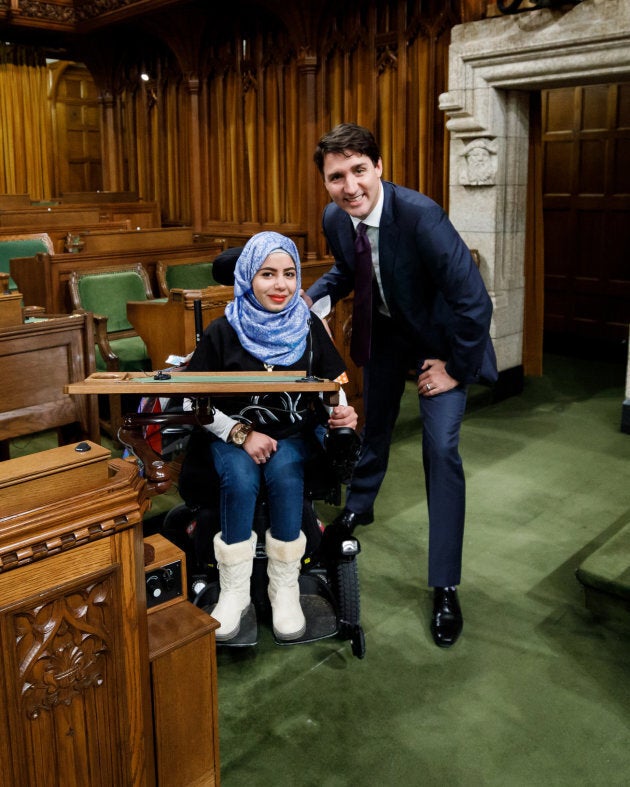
447,622
350,520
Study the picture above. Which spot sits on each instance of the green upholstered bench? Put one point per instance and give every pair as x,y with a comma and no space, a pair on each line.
605,575
22,246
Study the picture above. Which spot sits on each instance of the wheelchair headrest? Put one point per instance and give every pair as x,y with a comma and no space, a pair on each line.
223,265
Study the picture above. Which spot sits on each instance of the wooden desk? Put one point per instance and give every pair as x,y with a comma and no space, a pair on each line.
168,327
43,279
59,235
139,214
143,239
37,359
200,384
75,696
10,304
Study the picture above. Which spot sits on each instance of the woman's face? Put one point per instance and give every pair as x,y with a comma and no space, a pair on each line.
275,281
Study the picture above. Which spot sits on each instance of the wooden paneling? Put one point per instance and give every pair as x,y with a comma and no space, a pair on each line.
224,131
225,128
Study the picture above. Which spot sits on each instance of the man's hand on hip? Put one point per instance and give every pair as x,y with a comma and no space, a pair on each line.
434,379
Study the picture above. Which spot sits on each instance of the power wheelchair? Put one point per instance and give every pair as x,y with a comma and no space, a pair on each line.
329,581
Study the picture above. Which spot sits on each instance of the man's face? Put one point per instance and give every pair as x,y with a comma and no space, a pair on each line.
353,182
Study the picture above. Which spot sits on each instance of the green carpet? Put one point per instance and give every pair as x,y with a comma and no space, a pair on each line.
536,692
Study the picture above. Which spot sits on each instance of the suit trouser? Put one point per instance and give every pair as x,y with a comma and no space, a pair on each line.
384,379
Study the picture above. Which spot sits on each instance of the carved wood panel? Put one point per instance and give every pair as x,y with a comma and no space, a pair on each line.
63,668
71,705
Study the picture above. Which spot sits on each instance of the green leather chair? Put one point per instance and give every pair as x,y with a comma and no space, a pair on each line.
105,293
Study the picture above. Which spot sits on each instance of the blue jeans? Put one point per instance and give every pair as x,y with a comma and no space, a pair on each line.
241,480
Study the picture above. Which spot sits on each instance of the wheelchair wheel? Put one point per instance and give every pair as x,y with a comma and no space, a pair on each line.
190,529
346,581
176,524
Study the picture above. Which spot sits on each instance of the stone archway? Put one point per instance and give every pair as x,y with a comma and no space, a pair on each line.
493,64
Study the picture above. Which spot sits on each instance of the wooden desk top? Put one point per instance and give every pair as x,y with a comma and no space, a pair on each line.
198,383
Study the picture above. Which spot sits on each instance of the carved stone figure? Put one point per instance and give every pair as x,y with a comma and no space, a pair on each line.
479,165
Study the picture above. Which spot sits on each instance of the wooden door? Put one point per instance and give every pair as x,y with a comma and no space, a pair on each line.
586,208
77,132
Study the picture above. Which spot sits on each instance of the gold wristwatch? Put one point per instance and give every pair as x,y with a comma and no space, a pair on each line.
239,434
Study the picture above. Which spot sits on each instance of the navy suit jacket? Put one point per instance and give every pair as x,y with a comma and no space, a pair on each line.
432,287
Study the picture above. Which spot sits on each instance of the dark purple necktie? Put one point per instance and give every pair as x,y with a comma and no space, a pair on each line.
362,308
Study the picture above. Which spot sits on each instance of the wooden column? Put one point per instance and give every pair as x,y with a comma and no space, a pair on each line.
110,144
312,186
194,149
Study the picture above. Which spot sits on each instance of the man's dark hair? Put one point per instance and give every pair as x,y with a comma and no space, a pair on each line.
346,138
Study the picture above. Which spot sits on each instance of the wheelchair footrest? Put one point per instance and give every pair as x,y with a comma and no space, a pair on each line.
247,634
321,618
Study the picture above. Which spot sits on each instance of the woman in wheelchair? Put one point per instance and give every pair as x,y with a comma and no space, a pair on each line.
265,440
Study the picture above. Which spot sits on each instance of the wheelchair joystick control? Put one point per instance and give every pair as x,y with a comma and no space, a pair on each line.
310,377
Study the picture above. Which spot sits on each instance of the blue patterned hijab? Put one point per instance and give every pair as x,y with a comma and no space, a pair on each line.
272,337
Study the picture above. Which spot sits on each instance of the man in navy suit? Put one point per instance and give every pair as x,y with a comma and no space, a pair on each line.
430,311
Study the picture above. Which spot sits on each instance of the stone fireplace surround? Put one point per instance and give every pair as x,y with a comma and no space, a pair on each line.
493,64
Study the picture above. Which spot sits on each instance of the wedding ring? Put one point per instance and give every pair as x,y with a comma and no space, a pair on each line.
428,386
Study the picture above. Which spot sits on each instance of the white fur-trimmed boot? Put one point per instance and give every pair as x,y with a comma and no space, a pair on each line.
283,569
235,563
